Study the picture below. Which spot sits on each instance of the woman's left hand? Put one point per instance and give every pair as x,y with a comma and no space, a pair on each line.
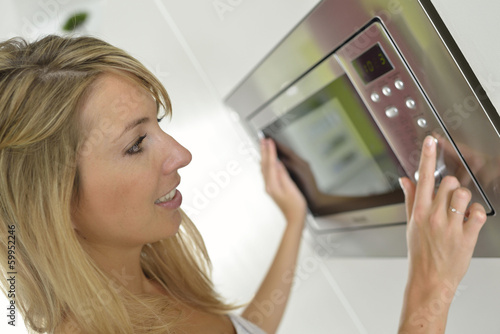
279,185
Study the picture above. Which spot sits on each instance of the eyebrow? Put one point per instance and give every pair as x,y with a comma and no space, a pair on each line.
133,124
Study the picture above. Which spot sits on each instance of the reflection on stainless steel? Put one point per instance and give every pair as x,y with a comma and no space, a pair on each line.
399,62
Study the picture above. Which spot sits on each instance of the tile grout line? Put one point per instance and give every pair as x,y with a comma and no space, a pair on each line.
187,49
343,299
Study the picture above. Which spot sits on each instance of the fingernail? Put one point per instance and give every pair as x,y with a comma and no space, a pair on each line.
430,141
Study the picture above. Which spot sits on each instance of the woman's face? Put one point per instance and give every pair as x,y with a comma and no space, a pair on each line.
128,168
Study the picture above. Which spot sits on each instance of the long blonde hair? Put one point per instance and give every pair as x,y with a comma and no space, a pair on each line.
42,85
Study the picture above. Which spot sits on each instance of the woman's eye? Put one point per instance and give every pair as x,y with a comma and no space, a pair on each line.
136,148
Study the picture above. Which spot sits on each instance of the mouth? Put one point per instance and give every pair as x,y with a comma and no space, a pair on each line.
167,197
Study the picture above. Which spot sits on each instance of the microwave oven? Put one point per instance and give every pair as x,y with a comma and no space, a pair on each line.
348,97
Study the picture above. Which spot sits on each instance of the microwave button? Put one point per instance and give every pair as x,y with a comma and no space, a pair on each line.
391,112
386,90
422,122
399,84
439,173
375,97
410,103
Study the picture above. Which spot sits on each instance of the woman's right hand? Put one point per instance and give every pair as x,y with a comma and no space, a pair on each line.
280,186
441,233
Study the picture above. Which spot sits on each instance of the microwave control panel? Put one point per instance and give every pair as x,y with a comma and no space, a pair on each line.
399,106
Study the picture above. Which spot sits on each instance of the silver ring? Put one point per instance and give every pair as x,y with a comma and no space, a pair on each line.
452,209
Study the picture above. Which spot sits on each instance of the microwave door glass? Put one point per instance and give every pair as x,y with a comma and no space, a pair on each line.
335,153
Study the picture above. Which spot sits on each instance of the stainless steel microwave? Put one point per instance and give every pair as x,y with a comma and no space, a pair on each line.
349,95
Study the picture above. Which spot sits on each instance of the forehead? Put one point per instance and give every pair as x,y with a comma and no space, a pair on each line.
115,98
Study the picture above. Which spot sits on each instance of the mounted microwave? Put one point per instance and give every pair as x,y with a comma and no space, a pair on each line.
349,95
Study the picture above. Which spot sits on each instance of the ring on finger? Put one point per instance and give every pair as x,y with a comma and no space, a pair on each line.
452,209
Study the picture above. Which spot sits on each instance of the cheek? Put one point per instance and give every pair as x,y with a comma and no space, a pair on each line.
114,201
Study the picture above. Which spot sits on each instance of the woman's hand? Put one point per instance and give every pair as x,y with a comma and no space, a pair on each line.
279,185
442,232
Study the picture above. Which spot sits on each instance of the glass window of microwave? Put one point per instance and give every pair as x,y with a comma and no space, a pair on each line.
372,64
335,153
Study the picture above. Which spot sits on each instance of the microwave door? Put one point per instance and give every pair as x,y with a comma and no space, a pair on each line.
331,146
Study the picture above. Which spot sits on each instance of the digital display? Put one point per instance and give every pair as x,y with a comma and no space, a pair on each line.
372,64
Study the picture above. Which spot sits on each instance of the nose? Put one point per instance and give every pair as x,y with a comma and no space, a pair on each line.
176,156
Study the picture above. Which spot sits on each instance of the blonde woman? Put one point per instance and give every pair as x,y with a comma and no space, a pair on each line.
89,190
91,220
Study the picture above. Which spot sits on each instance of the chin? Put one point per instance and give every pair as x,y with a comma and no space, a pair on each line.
170,228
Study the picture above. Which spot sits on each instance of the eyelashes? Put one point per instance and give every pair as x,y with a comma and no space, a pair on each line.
136,148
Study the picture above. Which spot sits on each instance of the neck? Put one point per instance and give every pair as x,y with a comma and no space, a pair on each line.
123,266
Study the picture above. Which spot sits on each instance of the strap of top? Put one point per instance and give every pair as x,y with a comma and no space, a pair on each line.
244,326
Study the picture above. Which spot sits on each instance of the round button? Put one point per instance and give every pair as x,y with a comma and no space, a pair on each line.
437,173
375,97
386,90
410,103
391,112
399,84
422,122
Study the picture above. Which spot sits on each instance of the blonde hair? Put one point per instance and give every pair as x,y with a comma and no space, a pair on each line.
42,85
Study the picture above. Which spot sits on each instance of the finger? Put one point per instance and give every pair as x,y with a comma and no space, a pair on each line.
476,217
444,193
289,163
409,191
425,185
264,157
283,176
272,154
271,168
283,149
459,201
266,162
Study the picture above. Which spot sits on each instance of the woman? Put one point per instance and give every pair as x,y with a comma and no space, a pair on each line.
88,188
